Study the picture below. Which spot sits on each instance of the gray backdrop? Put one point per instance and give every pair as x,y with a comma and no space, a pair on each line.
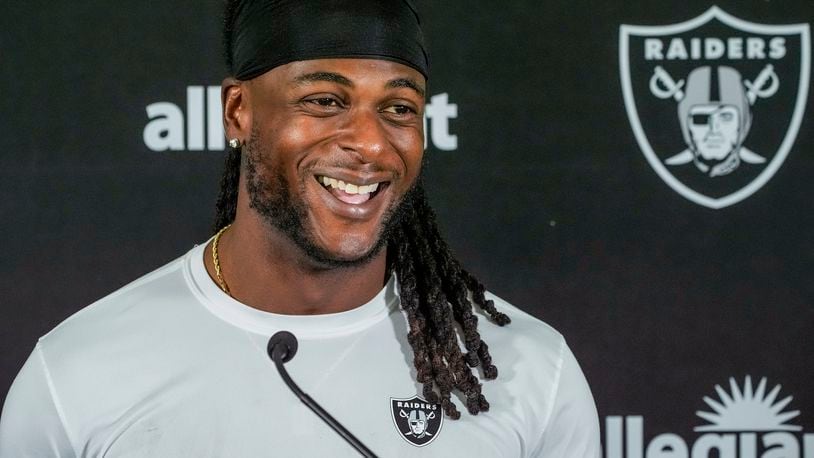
545,191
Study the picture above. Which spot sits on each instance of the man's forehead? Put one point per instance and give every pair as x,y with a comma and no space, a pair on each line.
350,72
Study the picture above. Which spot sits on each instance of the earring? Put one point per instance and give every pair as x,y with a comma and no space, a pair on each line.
234,143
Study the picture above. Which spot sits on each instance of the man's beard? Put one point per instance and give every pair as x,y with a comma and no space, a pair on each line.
269,196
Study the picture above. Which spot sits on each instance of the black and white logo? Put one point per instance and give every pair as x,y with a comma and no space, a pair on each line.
715,102
745,421
417,421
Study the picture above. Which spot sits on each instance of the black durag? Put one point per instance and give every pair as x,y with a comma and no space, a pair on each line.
270,33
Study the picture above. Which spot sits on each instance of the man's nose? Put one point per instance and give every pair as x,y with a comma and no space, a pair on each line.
363,133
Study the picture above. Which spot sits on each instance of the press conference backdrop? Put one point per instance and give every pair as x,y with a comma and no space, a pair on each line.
637,174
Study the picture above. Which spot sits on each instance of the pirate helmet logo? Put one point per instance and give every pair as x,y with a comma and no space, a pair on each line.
715,115
417,421
706,154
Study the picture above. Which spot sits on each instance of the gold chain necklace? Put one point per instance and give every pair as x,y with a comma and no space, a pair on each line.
216,260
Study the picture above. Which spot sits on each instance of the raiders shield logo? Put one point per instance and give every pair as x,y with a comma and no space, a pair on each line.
716,102
417,421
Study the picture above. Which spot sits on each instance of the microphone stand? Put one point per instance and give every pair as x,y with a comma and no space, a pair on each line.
281,348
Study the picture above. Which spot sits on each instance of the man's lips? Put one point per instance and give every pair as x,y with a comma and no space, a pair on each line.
353,196
349,192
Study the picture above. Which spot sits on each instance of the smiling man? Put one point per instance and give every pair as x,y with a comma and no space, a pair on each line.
322,229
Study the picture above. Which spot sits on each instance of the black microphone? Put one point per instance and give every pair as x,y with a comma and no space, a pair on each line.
281,349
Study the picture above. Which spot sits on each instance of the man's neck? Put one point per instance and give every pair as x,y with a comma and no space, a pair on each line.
266,270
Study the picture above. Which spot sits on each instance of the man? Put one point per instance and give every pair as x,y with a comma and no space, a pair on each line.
322,230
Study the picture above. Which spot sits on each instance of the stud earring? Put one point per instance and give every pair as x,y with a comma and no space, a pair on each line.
234,143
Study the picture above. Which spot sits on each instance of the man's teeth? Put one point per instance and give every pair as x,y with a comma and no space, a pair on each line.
349,188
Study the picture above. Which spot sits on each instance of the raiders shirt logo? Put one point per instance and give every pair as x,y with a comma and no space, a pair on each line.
417,421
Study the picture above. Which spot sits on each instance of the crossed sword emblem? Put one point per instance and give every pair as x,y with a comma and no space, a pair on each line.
663,86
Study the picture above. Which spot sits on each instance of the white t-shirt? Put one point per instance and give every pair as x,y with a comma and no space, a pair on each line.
170,366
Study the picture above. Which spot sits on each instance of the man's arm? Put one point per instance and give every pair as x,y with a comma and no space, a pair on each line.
572,429
30,425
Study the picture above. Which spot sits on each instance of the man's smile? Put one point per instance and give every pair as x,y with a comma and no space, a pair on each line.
354,196
349,192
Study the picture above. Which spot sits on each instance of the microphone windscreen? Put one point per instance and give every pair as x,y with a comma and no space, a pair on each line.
282,345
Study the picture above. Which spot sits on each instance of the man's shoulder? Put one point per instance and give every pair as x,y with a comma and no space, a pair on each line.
526,333
106,357
140,300
537,375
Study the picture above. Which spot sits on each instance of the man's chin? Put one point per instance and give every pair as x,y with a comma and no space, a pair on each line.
350,250
350,254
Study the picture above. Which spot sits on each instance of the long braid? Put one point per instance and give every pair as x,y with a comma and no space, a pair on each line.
226,205
435,291
416,335
441,333
451,289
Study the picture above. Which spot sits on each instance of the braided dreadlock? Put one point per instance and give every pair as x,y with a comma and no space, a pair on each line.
436,292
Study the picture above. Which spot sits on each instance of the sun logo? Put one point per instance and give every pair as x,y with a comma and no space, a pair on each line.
747,409
746,422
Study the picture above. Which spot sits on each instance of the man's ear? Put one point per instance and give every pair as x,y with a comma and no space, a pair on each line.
237,117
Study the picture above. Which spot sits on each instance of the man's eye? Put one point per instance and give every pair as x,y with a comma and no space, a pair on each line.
325,102
399,110
727,117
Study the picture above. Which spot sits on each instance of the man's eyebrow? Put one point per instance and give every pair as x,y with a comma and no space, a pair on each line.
339,79
405,82
322,76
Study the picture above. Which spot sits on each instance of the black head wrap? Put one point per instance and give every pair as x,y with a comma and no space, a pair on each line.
270,33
